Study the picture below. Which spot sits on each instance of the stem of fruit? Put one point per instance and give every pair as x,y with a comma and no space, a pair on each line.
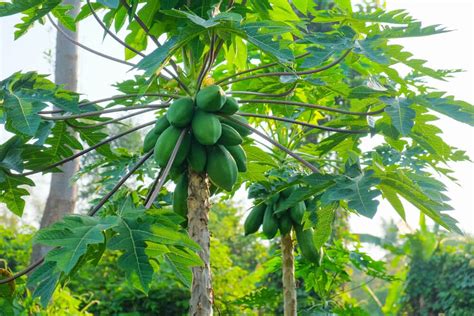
288,279
198,216
275,143
286,73
163,175
287,120
85,151
94,113
312,106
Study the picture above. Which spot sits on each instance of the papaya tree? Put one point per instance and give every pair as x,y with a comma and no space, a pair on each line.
218,75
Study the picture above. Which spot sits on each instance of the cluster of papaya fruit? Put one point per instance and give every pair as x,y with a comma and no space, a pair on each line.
211,143
269,215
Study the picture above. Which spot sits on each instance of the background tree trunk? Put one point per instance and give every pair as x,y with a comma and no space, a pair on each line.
62,193
198,216
288,269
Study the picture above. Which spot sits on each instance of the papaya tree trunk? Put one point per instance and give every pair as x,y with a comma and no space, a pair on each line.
288,269
62,193
198,216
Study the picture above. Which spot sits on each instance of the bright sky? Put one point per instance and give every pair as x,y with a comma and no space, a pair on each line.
449,50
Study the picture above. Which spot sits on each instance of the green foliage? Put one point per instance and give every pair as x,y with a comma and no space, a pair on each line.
339,84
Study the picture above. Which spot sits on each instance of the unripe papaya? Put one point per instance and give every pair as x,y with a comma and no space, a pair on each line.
180,196
207,128
270,223
273,199
197,156
210,99
230,106
150,140
161,124
165,144
285,224
229,136
240,157
221,167
306,244
297,212
243,131
254,219
180,112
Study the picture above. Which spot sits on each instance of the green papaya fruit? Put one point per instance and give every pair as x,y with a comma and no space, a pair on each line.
177,171
297,212
243,131
165,144
306,244
180,112
254,219
210,99
230,106
229,136
221,167
150,140
285,224
197,156
240,157
207,128
270,223
161,124
180,196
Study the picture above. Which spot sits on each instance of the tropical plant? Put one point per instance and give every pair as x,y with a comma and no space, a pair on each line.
217,63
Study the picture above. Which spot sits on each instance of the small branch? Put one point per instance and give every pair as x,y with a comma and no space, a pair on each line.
155,40
92,212
117,186
28,269
162,180
281,147
95,113
263,94
118,97
255,69
153,186
324,128
85,151
206,64
115,37
296,73
110,121
87,48
313,106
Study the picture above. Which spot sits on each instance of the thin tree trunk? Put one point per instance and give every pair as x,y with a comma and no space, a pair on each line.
288,267
198,216
62,193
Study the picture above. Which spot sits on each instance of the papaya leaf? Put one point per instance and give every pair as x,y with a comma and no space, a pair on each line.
358,191
459,110
261,34
181,260
44,280
323,227
401,114
404,186
11,192
72,236
10,154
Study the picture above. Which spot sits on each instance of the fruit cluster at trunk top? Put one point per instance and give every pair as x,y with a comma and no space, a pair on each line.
267,214
211,144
